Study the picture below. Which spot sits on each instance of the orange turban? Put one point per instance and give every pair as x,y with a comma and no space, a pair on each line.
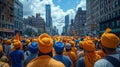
8,42
1,49
28,41
72,56
17,44
91,56
81,43
110,40
89,45
101,53
35,40
45,43
72,43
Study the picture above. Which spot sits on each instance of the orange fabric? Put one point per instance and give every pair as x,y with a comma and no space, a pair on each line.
72,56
110,40
45,43
1,49
35,40
45,61
101,53
17,44
87,38
20,37
72,43
4,64
74,49
28,41
91,58
89,45
81,43
8,42
17,36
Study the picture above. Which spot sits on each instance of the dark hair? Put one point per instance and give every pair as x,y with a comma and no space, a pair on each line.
50,54
59,53
68,49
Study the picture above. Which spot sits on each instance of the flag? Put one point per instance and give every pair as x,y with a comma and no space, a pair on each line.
17,36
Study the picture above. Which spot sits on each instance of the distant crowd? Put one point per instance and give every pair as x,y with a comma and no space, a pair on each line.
61,51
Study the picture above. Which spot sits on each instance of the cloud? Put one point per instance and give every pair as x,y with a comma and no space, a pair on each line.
82,4
31,7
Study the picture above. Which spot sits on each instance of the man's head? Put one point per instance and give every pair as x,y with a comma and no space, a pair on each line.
33,48
68,47
45,43
59,47
17,45
109,42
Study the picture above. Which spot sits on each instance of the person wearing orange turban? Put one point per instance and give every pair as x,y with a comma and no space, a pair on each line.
71,54
7,47
90,55
45,45
81,52
109,43
16,56
3,58
74,49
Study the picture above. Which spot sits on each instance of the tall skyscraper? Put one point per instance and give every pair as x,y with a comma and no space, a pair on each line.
18,16
80,19
48,19
66,23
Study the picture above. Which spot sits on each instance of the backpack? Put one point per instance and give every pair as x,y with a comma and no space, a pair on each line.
115,62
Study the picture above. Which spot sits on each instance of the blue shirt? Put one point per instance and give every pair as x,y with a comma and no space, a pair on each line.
17,57
81,62
29,58
64,59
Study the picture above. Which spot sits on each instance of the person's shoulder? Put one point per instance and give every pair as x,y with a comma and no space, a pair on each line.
6,65
102,63
57,63
81,60
3,64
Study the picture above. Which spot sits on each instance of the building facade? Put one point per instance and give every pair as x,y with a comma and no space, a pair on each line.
80,20
48,24
102,14
18,16
66,24
6,18
110,15
71,28
36,22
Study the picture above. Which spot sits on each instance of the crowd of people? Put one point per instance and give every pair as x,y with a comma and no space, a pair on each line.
61,51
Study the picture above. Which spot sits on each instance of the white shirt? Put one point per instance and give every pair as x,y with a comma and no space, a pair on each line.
106,63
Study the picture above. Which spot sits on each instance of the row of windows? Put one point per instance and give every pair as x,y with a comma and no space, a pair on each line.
18,25
109,8
7,26
111,15
113,24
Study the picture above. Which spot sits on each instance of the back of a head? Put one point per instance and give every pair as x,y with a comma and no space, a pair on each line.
89,45
110,40
59,47
33,48
68,47
45,43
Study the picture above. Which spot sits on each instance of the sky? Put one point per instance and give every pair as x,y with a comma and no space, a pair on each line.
59,8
